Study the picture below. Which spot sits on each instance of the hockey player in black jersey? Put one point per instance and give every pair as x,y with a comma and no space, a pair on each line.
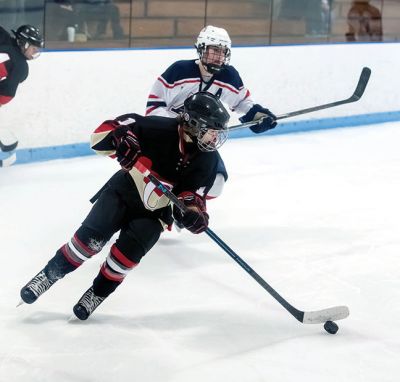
181,153
14,53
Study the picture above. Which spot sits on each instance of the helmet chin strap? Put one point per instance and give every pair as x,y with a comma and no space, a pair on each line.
212,68
208,70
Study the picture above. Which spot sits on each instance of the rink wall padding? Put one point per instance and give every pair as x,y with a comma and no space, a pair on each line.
83,149
40,154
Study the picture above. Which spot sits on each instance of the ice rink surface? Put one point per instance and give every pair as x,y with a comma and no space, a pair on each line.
315,214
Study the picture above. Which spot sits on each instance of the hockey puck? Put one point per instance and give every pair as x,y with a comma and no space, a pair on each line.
331,327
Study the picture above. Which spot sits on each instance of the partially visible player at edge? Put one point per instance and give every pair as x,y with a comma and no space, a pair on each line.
180,152
14,69
211,72
14,54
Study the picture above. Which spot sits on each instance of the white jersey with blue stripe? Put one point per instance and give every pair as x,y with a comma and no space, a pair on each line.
183,78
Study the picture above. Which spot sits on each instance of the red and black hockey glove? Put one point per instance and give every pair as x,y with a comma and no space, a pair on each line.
256,113
195,219
127,147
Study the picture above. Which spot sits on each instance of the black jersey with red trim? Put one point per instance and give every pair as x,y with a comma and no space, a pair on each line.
183,78
166,151
13,67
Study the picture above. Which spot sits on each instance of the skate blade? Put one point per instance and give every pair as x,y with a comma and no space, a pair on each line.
21,302
73,319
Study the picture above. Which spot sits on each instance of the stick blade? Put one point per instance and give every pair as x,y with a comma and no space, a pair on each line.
362,83
321,316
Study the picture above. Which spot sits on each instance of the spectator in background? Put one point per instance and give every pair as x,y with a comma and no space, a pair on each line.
60,14
102,11
317,17
34,12
11,13
315,14
364,21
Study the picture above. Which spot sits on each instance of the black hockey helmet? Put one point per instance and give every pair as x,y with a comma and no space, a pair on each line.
28,34
206,120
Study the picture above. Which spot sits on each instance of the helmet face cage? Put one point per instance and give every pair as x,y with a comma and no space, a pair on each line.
205,55
207,138
211,139
213,37
206,121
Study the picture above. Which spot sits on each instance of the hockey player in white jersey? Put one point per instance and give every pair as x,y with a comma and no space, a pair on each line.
211,72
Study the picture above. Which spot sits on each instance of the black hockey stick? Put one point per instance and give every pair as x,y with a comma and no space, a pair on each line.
358,92
313,317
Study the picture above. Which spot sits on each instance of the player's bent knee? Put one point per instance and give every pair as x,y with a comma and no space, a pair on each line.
139,238
88,240
132,244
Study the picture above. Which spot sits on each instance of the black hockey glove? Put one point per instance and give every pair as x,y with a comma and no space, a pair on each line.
127,148
256,113
195,219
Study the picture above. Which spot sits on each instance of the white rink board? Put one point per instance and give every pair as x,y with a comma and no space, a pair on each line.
69,93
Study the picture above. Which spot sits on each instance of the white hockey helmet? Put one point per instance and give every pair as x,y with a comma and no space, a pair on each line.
216,37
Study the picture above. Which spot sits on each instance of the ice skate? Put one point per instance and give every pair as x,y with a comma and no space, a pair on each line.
55,270
36,287
87,304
